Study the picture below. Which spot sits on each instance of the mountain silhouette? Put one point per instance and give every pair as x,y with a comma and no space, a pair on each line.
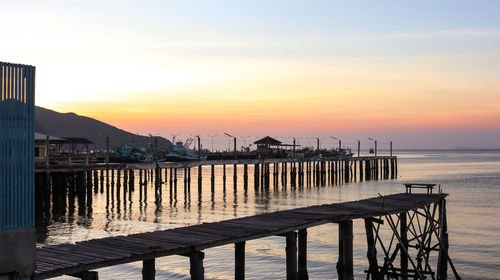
72,125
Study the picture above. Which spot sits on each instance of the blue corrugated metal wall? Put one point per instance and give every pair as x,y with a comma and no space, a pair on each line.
17,103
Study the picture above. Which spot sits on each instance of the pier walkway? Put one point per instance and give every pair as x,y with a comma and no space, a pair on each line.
80,258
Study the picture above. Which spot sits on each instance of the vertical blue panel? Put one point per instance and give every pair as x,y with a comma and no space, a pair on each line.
17,103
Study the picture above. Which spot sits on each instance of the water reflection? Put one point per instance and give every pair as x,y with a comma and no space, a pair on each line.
97,200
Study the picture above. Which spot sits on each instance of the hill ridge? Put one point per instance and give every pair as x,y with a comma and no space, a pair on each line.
70,124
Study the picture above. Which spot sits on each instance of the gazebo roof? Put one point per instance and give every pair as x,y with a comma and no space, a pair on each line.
267,141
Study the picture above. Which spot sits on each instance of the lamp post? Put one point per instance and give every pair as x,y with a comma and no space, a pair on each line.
359,146
199,147
374,140
107,147
155,139
229,135
229,141
293,147
212,138
340,142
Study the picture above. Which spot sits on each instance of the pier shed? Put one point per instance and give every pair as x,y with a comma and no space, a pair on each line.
42,145
265,145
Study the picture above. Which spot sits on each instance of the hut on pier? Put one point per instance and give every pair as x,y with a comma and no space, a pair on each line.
267,145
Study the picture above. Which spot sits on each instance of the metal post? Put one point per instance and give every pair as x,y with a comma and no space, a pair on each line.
47,151
359,146
199,147
293,147
234,147
107,149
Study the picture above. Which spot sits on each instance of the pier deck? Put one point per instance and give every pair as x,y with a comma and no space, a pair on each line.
78,259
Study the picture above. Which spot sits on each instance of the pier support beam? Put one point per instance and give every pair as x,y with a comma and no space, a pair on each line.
239,261
291,255
148,269
196,265
345,263
372,250
403,228
302,267
442,271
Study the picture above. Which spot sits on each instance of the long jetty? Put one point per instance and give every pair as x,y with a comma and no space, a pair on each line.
417,222
292,172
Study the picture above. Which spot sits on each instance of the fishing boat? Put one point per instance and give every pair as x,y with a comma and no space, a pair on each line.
180,153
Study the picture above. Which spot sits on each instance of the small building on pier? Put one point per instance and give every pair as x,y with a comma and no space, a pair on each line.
43,143
267,144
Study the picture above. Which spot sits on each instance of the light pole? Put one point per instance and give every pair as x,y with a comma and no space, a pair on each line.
359,146
107,147
340,142
229,142
229,135
317,143
199,147
155,138
374,140
212,138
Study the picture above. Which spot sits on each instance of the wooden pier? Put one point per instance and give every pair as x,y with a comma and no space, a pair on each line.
266,173
417,222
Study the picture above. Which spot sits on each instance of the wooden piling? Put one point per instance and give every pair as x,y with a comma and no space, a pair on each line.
235,174
302,256
239,260
442,271
148,269
196,265
291,255
345,263
372,250
245,177
132,180
224,173
403,226
200,179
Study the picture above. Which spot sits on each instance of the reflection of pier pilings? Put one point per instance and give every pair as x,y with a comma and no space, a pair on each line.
70,192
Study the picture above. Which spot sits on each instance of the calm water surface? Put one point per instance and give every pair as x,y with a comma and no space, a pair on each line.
472,178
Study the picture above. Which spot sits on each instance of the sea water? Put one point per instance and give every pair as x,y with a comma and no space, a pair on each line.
472,179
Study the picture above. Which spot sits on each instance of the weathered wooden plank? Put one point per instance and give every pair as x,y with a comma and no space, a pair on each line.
82,256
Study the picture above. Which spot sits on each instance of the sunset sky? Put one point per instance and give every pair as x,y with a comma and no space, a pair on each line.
425,74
